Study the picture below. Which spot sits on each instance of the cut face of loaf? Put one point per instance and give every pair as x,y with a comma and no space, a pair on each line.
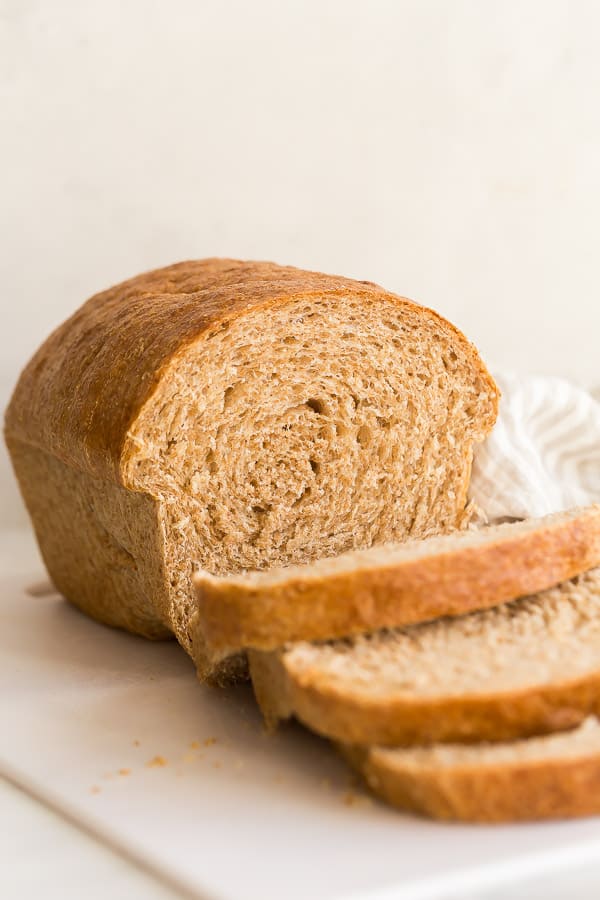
525,668
395,584
235,416
552,777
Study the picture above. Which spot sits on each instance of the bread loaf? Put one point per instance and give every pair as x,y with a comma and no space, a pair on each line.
525,668
553,777
396,584
232,416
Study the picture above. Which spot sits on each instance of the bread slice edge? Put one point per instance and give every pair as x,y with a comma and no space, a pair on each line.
523,788
264,612
414,720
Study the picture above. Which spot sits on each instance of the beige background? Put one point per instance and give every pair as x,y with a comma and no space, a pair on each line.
448,150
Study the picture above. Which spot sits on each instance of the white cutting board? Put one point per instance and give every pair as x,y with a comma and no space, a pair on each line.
232,813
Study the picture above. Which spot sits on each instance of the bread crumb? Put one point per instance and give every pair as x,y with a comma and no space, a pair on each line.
349,799
194,745
156,761
216,764
124,771
210,741
136,743
95,789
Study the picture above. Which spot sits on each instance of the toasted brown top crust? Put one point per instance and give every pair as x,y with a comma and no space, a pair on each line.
84,388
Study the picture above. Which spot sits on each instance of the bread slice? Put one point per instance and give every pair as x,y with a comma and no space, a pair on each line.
553,777
525,668
238,415
396,585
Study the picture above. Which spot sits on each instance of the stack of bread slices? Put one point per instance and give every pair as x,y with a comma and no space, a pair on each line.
485,713
272,466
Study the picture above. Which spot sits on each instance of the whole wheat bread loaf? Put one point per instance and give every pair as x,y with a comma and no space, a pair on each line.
392,585
235,416
552,777
524,668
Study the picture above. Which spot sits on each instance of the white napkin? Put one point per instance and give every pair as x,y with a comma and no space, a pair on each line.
543,455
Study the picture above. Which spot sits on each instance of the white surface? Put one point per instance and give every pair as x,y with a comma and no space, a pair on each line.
543,454
43,856
581,882
446,150
248,816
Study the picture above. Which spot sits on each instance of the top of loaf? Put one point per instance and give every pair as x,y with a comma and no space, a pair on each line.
83,390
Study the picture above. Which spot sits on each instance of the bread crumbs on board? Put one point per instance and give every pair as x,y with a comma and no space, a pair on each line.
124,771
350,798
95,789
156,762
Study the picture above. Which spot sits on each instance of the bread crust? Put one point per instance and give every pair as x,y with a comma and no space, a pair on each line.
412,721
89,532
235,614
527,790
87,384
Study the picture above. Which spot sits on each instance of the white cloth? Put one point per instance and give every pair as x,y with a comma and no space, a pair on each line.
543,455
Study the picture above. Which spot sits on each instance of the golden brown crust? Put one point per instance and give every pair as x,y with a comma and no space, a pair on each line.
352,602
86,385
412,720
100,542
526,790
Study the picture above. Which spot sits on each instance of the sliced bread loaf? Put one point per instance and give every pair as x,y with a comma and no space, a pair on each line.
551,777
237,415
394,585
525,668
